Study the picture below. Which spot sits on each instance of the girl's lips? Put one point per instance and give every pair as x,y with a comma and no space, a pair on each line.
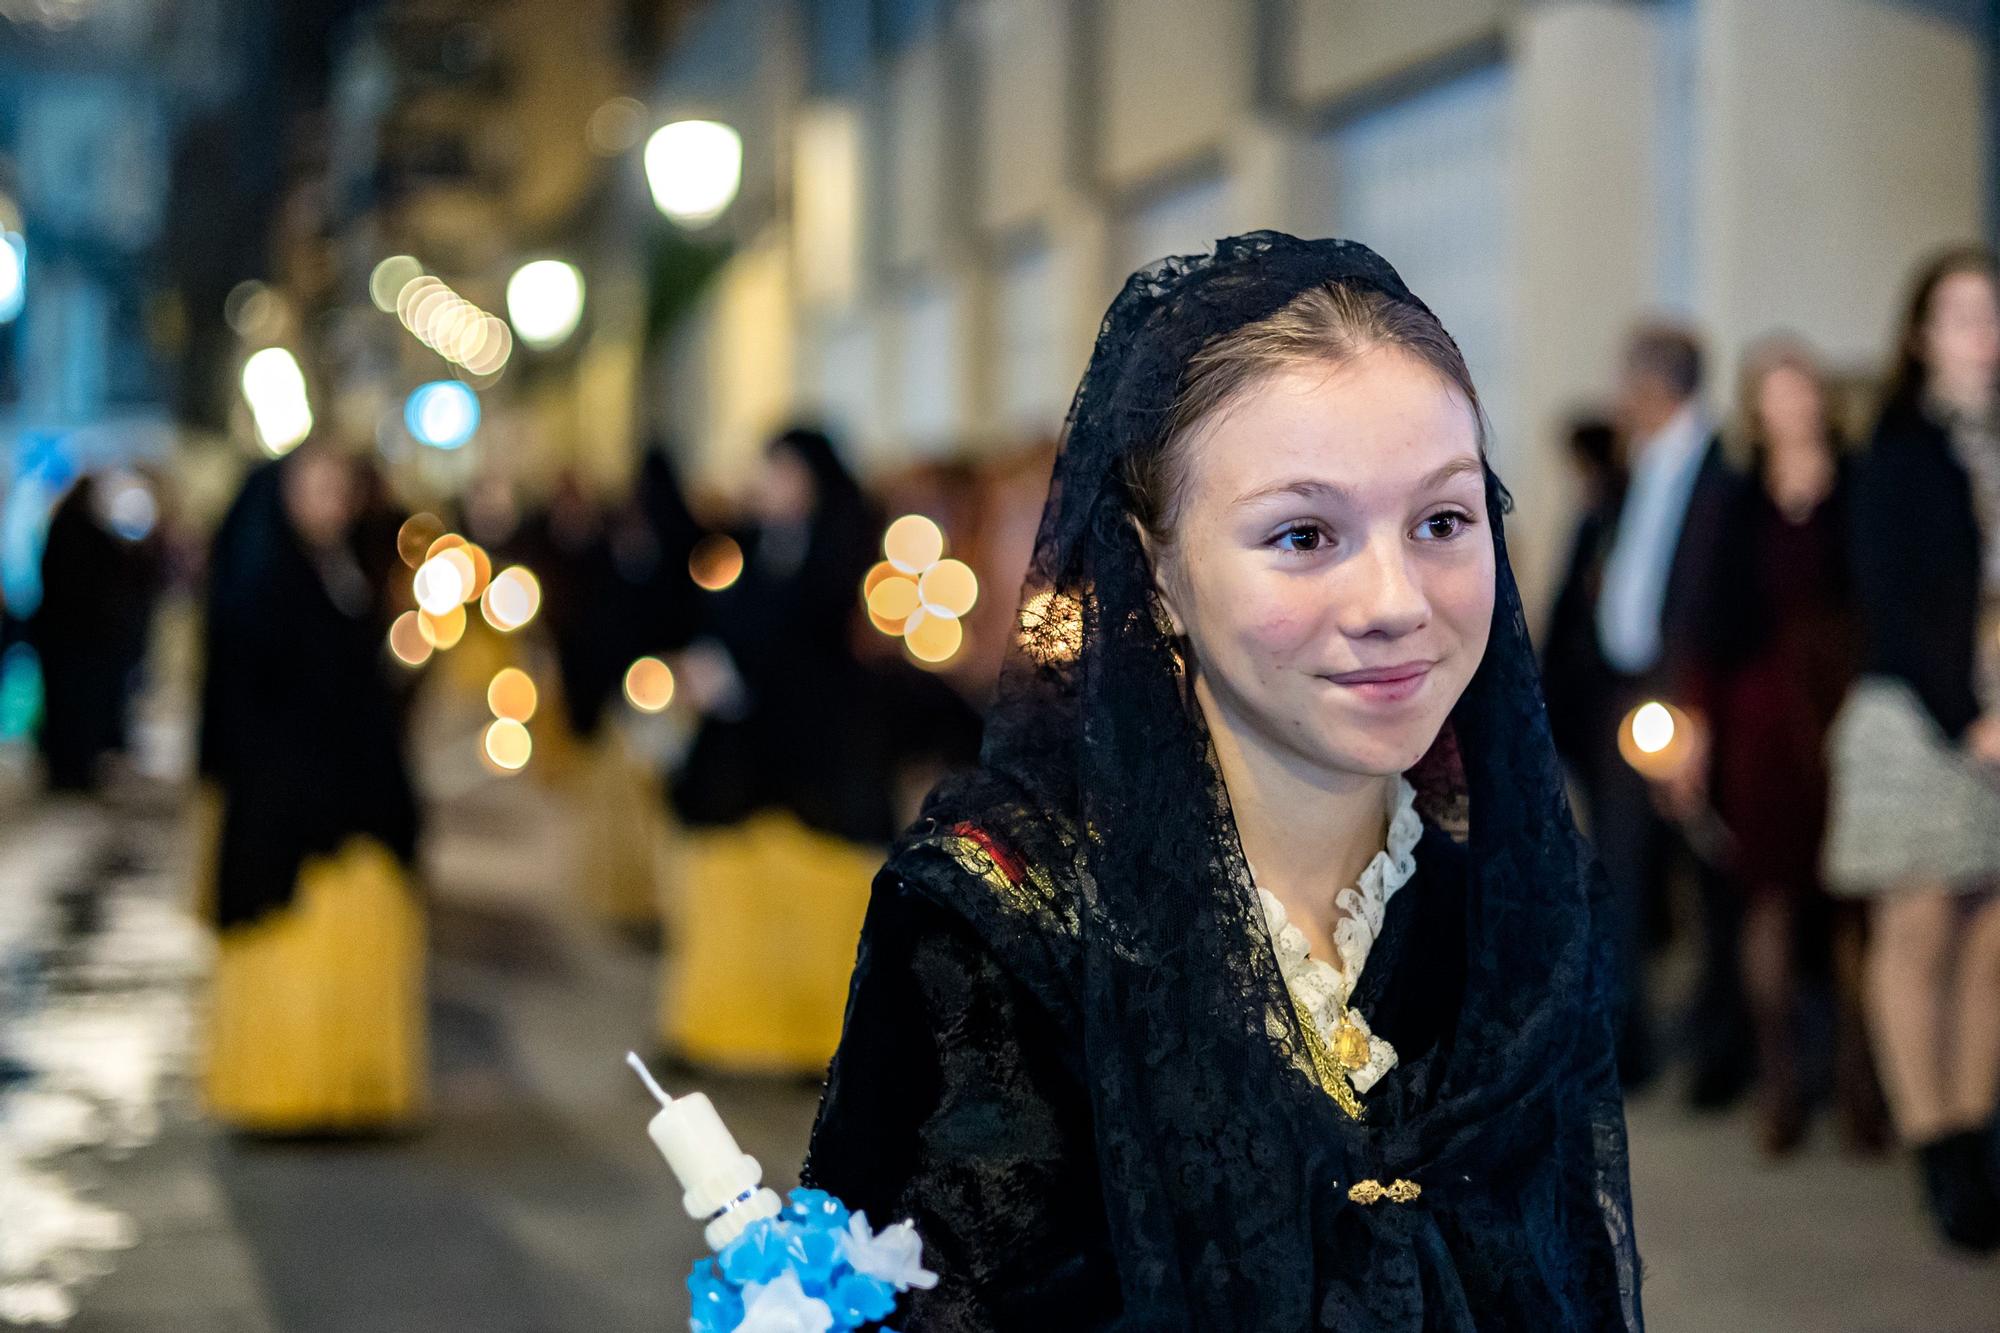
1385,684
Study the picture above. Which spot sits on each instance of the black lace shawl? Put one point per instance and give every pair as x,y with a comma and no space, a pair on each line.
1092,862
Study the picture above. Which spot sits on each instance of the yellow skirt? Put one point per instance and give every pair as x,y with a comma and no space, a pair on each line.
761,943
317,1016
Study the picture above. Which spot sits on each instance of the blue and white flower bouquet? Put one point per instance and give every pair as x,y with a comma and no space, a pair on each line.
806,1265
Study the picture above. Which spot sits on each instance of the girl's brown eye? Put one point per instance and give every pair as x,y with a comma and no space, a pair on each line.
1305,537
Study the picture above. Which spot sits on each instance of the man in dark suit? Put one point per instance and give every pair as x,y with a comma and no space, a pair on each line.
1649,591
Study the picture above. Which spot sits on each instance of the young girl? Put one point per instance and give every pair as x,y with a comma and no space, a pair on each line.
1251,983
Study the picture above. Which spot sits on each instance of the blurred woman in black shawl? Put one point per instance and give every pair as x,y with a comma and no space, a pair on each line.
317,1018
1119,1077
788,792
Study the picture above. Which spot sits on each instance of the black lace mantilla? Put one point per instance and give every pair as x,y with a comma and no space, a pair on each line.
1069,1049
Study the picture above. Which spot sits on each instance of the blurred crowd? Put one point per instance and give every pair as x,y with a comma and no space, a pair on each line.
1771,666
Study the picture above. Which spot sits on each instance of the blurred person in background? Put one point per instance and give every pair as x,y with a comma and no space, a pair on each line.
317,1020
102,570
1573,673
1654,595
1782,648
1915,751
788,793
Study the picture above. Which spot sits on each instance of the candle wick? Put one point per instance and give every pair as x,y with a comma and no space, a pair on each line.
646,1076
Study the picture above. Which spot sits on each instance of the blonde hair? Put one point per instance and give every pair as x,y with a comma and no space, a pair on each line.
1328,326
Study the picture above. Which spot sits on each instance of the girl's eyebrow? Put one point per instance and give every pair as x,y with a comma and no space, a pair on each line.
1309,489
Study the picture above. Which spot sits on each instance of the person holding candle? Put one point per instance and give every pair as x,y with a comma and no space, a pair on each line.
1257,979
1915,751
316,1020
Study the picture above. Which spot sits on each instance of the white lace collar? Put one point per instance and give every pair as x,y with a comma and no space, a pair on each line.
1320,989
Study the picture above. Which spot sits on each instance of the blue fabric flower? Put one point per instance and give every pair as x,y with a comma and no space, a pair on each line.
816,1208
758,1255
813,1255
717,1304
858,1299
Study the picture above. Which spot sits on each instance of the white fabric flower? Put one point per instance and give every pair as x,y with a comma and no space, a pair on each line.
895,1256
782,1306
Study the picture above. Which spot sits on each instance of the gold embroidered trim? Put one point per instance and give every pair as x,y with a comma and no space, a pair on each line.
1367,1192
1326,1068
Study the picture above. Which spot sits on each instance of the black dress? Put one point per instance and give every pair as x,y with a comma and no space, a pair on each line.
966,1107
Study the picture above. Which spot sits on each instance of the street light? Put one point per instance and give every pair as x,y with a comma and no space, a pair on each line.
694,168
275,388
545,301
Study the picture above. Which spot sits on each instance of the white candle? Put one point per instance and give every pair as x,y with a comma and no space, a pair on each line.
720,1181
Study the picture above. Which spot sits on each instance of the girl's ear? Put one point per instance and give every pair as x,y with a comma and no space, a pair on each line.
1163,596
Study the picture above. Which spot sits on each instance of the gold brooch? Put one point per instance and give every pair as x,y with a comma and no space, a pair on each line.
1367,1192
1350,1043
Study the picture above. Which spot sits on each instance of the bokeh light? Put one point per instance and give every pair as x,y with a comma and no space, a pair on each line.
13,275
649,685
508,745
948,588
443,414
441,584
414,538
407,641
442,632
894,598
913,543
545,301
694,169
932,638
512,599
275,389
716,562
616,126
389,278
512,695
1652,728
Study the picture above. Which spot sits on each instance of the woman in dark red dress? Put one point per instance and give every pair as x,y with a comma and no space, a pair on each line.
1784,654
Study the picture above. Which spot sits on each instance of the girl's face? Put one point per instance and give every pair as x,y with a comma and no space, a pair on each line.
1331,566
1961,335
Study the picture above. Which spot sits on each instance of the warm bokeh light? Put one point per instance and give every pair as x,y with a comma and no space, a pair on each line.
508,744
545,301
1051,627
407,641
649,685
893,598
1654,740
512,695
694,168
512,599
414,538
275,389
482,570
932,638
443,632
913,543
716,562
460,558
441,584
1652,728
948,588
386,283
